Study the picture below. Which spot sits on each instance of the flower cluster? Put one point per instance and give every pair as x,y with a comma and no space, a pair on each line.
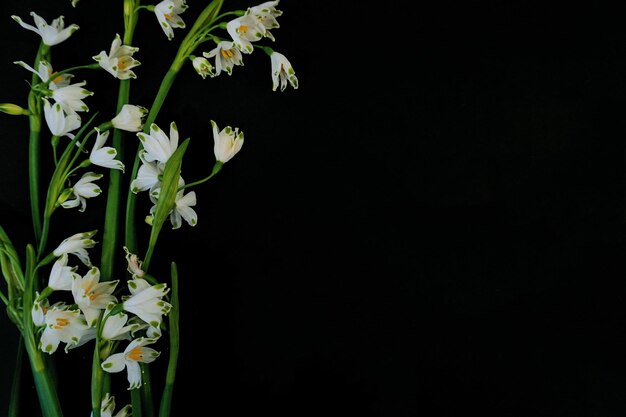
67,297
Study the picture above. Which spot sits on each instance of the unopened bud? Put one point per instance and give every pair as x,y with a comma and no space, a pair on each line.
13,109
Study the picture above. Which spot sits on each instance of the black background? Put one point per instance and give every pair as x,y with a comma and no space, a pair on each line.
432,224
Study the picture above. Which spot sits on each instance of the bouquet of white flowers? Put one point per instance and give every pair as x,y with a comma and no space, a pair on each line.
121,308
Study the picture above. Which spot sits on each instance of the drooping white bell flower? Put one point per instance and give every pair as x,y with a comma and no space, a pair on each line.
135,352
82,190
64,325
108,406
168,14
146,301
182,206
282,72
226,57
104,156
266,13
157,146
227,142
130,118
115,327
40,308
244,30
203,67
134,264
77,245
45,73
61,275
71,96
147,176
60,123
52,34
91,295
119,61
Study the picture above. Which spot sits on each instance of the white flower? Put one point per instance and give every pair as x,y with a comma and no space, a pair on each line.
227,142
203,67
108,406
146,301
134,264
282,72
71,96
226,57
104,157
67,326
119,60
135,352
45,72
91,295
147,176
50,34
77,245
82,190
157,146
266,13
115,328
167,13
61,275
244,30
40,308
130,118
182,207
74,3
58,122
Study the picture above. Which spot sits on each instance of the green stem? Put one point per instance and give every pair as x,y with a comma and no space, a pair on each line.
191,184
166,399
14,404
135,400
34,108
146,390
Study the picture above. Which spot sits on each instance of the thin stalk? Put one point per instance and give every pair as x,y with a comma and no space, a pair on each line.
166,398
14,404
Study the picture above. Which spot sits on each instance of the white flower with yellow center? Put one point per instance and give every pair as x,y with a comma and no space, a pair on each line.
82,190
108,406
266,13
227,142
135,352
45,73
52,34
71,96
58,122
40,308
167,13
157,146
64,325
77,245
146,301
104,156
282,72
226,57
119,61
203,67
91,295
130,118
244,30
61,275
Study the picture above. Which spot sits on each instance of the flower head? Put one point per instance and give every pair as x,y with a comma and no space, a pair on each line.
82,190
77,245
64,325
157,146
282,72
244,30
119,61
44,73
40,308
135,352
227,142
108,406
134,264
91,295
226,57
182,206
61,275
71,96
104,156
203,67
266,13
58,122
115,327
130,118
147,176
146,301
50,34
167,13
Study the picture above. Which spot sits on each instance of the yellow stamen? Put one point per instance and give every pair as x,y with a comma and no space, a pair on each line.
135,354
61,322
227,53
168,16
243,28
